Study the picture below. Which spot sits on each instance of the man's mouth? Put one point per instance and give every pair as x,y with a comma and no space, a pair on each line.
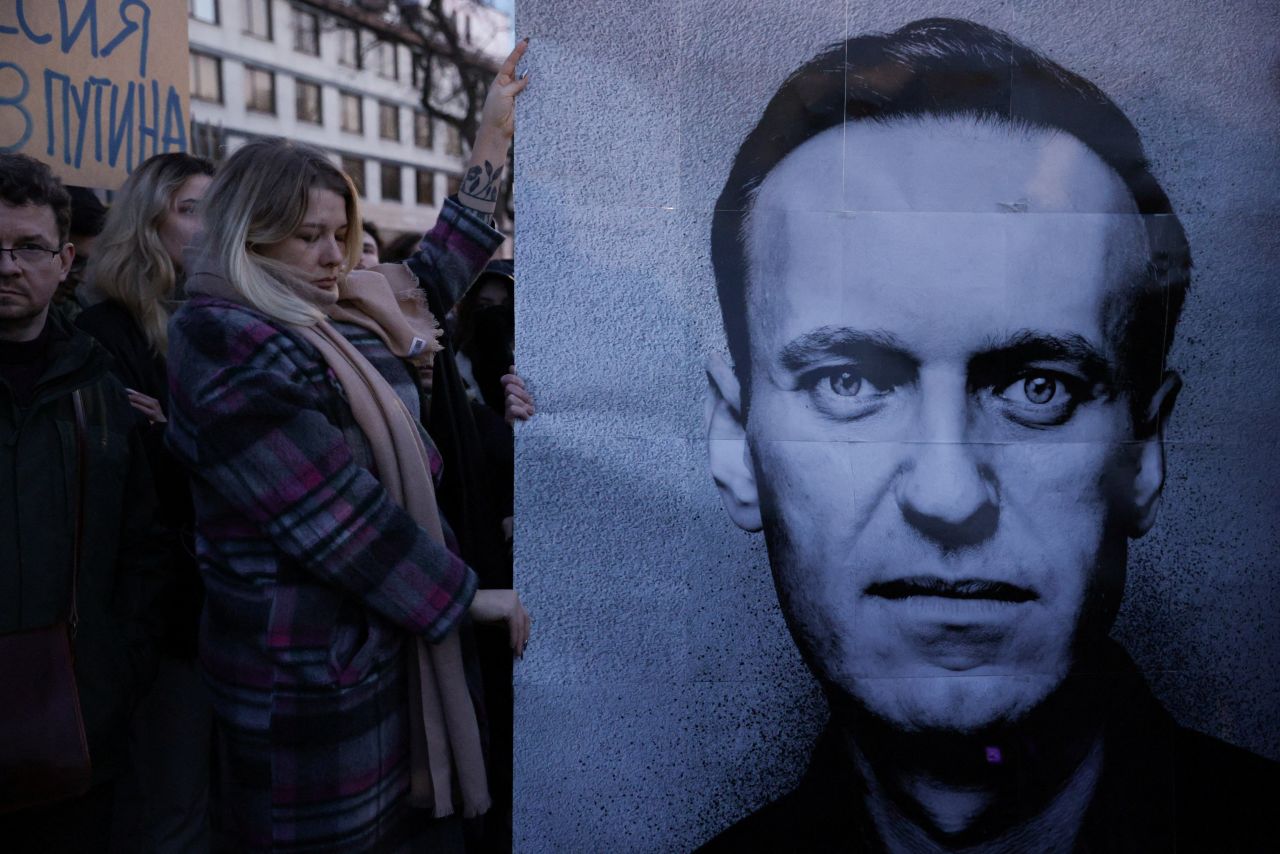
960,588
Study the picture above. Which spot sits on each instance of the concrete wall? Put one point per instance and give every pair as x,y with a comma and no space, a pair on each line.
661,697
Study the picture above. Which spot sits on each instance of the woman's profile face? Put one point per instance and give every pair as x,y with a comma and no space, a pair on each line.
317,248
181,219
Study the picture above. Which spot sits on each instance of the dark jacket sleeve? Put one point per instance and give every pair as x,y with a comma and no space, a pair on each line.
143,580
453,253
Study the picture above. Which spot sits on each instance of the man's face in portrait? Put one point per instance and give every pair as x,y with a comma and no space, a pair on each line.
938,447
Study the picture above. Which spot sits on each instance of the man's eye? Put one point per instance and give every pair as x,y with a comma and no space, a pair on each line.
1043,398
845,391
844,383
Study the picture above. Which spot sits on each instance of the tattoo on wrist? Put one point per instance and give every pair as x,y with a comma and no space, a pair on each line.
479,189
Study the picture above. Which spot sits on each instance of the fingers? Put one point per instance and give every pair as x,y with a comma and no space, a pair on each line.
518,395
148,406
513,58
521,627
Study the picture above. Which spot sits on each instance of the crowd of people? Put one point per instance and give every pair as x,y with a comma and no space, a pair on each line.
260,509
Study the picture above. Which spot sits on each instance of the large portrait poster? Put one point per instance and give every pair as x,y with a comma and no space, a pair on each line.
905,472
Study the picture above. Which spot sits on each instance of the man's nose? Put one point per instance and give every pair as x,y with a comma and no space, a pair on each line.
8,264
947,490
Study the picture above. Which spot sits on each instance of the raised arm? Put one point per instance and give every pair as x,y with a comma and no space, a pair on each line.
482,180
453,253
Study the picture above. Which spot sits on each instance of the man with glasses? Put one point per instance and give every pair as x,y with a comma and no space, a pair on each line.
44,363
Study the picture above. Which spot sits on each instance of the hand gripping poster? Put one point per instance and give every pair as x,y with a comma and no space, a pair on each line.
905,470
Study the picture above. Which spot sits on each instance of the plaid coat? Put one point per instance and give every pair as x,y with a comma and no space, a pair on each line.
313,577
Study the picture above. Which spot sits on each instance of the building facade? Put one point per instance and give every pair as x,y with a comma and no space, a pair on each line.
338,76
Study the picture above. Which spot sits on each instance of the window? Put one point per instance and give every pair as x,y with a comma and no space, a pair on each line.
306,32
206,77
388,121
386,60
257,18
422,130
452,140
203,10
259,90
417,73
452,185
349,46
352,113
390,180
425,187
354,167
308,103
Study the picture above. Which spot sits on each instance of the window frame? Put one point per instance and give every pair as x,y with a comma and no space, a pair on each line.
383,167
418,174
357,60
384,49
386,108
217,12
357,176
248,19
194,56
298,14
453,141
343,97
421,117
249,72
299,84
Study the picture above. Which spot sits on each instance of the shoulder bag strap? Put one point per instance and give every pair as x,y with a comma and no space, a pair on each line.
73,612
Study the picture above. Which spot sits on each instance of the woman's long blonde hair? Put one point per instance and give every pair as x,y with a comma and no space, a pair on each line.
129,263
260,198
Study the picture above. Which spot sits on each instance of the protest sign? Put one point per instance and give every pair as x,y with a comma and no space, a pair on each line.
93,87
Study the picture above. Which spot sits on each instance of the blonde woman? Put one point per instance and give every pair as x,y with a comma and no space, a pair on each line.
136,270
330,635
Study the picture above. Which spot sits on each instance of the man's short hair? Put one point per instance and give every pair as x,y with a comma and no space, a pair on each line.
88,213
372,231
26,181
944,68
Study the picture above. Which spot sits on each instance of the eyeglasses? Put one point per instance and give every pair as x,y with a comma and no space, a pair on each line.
28,254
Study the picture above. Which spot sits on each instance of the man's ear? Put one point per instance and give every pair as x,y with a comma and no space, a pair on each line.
66,255
1148,477
727,450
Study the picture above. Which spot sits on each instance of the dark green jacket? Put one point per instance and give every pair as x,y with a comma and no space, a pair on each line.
122,562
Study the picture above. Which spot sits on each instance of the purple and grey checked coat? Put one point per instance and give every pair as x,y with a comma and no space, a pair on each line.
314,576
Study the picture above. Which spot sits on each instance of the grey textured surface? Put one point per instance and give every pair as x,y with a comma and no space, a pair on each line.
662,697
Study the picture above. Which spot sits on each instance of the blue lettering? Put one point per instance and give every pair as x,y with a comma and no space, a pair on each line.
80,103
89,15
130,27
35,37
98,83
48,109
173,118
15,101
146,131
121,128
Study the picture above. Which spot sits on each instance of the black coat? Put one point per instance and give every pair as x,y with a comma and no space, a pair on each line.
1163,788
141,368
122,563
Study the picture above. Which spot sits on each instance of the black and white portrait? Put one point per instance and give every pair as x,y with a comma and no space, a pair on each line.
905,477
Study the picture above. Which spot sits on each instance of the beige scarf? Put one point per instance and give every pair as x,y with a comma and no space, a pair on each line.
444,735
